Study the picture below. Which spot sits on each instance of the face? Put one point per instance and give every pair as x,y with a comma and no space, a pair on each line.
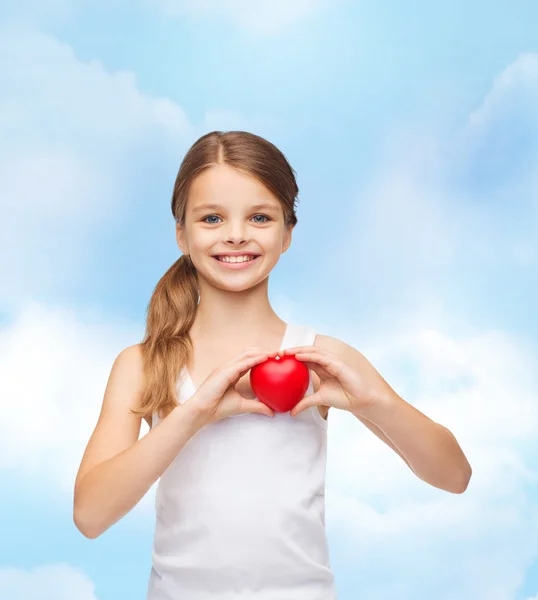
245,217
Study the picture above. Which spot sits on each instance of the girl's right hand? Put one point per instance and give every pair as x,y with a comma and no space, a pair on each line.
217,398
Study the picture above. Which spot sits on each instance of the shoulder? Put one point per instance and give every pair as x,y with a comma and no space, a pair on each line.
344,351
131,356
327,342
336,346
129,366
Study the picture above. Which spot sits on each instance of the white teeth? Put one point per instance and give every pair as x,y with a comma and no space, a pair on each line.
235,259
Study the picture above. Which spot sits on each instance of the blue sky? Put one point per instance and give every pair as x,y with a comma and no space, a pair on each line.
414,133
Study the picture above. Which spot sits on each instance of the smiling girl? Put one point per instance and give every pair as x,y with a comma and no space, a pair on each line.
240,505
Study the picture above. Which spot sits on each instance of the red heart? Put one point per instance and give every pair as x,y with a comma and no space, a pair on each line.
280,382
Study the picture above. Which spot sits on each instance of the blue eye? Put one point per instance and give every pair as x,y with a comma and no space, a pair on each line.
213,223
265,217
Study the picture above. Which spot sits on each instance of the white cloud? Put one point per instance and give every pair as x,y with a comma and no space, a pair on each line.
480,385
483,388
54,365
376,507
428,214
499,146
61,582
71,133
440,205
263,17
514,89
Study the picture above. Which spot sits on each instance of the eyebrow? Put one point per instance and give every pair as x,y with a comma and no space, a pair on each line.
212,206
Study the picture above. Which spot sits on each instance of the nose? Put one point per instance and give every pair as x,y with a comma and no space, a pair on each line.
236,233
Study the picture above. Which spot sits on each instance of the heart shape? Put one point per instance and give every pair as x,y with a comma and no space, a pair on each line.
280,382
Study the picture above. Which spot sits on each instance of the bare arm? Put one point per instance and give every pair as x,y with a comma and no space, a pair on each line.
117,469
430,450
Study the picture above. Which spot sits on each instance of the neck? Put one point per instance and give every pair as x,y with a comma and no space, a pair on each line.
238,316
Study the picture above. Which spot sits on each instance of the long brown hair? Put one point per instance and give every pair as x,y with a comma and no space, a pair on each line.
167,345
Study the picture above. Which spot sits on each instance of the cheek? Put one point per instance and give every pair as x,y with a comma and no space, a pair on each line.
204,239
270,238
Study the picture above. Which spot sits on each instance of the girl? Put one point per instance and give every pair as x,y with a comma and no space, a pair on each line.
241,498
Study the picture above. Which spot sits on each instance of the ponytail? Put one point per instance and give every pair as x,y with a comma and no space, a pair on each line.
167,346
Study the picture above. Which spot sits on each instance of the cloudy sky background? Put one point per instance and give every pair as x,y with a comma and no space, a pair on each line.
414,133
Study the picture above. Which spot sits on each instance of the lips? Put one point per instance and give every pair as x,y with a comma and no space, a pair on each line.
251,257
235,255
236,265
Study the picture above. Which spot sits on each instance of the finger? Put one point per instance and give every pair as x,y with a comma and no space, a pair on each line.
240,358
306,402
238,370
328,362
259,354
255,406
318,369
248,363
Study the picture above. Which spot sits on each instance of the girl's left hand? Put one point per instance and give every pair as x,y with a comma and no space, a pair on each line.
340,385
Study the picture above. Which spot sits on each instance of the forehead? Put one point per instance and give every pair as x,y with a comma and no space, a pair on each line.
229,187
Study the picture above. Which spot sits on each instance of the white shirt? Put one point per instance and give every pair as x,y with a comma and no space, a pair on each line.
240,512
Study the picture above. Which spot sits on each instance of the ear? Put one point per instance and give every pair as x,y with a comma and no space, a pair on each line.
180,238
287,239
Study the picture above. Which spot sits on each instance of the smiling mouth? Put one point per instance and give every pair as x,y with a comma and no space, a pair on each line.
236,262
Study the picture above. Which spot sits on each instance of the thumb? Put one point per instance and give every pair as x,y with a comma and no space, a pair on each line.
255,406
306,402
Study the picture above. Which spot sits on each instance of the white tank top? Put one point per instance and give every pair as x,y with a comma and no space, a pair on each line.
240,512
